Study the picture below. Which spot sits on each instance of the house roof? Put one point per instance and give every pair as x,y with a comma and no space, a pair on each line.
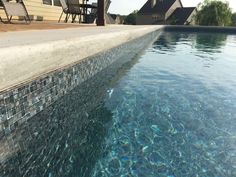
118,17
109,19
114,16
181,15
162,6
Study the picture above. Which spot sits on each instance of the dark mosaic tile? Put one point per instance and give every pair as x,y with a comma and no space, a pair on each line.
24,102
1,98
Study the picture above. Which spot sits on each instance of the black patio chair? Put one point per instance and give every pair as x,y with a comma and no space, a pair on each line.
71,8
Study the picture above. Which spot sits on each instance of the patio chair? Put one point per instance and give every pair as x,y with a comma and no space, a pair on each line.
64,10
70,7
15,8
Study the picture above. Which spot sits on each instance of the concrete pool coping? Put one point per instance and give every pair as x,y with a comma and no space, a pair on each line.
27,55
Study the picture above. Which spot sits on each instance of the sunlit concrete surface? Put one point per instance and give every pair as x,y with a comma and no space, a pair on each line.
26,55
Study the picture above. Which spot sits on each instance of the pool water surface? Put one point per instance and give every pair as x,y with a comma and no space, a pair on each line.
174,111
168,112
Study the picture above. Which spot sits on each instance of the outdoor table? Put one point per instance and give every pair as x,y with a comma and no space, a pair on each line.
85,8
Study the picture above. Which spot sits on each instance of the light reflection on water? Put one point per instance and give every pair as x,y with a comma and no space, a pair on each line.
174,112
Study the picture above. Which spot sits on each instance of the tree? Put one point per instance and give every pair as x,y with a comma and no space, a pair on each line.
214,13
131,18
234,19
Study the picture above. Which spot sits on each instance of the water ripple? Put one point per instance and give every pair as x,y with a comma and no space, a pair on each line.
176,110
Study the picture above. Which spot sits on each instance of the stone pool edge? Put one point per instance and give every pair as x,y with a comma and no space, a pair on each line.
22,102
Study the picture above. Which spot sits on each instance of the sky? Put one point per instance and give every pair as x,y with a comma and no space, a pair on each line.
125,7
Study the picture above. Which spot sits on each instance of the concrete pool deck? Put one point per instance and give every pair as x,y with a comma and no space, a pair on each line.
26,55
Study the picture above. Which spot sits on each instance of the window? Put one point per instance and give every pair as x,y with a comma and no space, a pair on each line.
156,17
52,2
47,2
57,2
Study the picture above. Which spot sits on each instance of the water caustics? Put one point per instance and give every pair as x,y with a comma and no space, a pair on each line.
174,112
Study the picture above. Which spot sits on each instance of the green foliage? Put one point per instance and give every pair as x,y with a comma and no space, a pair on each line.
234,19
207,42
131,18
214,13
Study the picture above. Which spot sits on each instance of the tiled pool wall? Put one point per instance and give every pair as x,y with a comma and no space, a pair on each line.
23,102
47,132
205,29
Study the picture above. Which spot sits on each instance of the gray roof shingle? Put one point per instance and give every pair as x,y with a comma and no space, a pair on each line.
180,15
161,7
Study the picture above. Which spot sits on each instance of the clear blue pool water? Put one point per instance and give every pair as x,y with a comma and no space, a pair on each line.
174,111
169,112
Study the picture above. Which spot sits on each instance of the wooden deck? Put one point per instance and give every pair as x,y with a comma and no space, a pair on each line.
39,26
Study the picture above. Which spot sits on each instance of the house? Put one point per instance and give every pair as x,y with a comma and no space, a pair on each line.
117,18
165,12
109,19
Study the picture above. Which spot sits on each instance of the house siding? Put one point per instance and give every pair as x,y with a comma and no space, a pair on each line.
2,14
148,19
144,19
119,20
39,11
172,9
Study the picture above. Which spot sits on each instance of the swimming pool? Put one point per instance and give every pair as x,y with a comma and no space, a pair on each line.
174,111
170,112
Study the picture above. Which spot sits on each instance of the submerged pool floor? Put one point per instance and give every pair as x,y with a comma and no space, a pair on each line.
174,111
169,112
